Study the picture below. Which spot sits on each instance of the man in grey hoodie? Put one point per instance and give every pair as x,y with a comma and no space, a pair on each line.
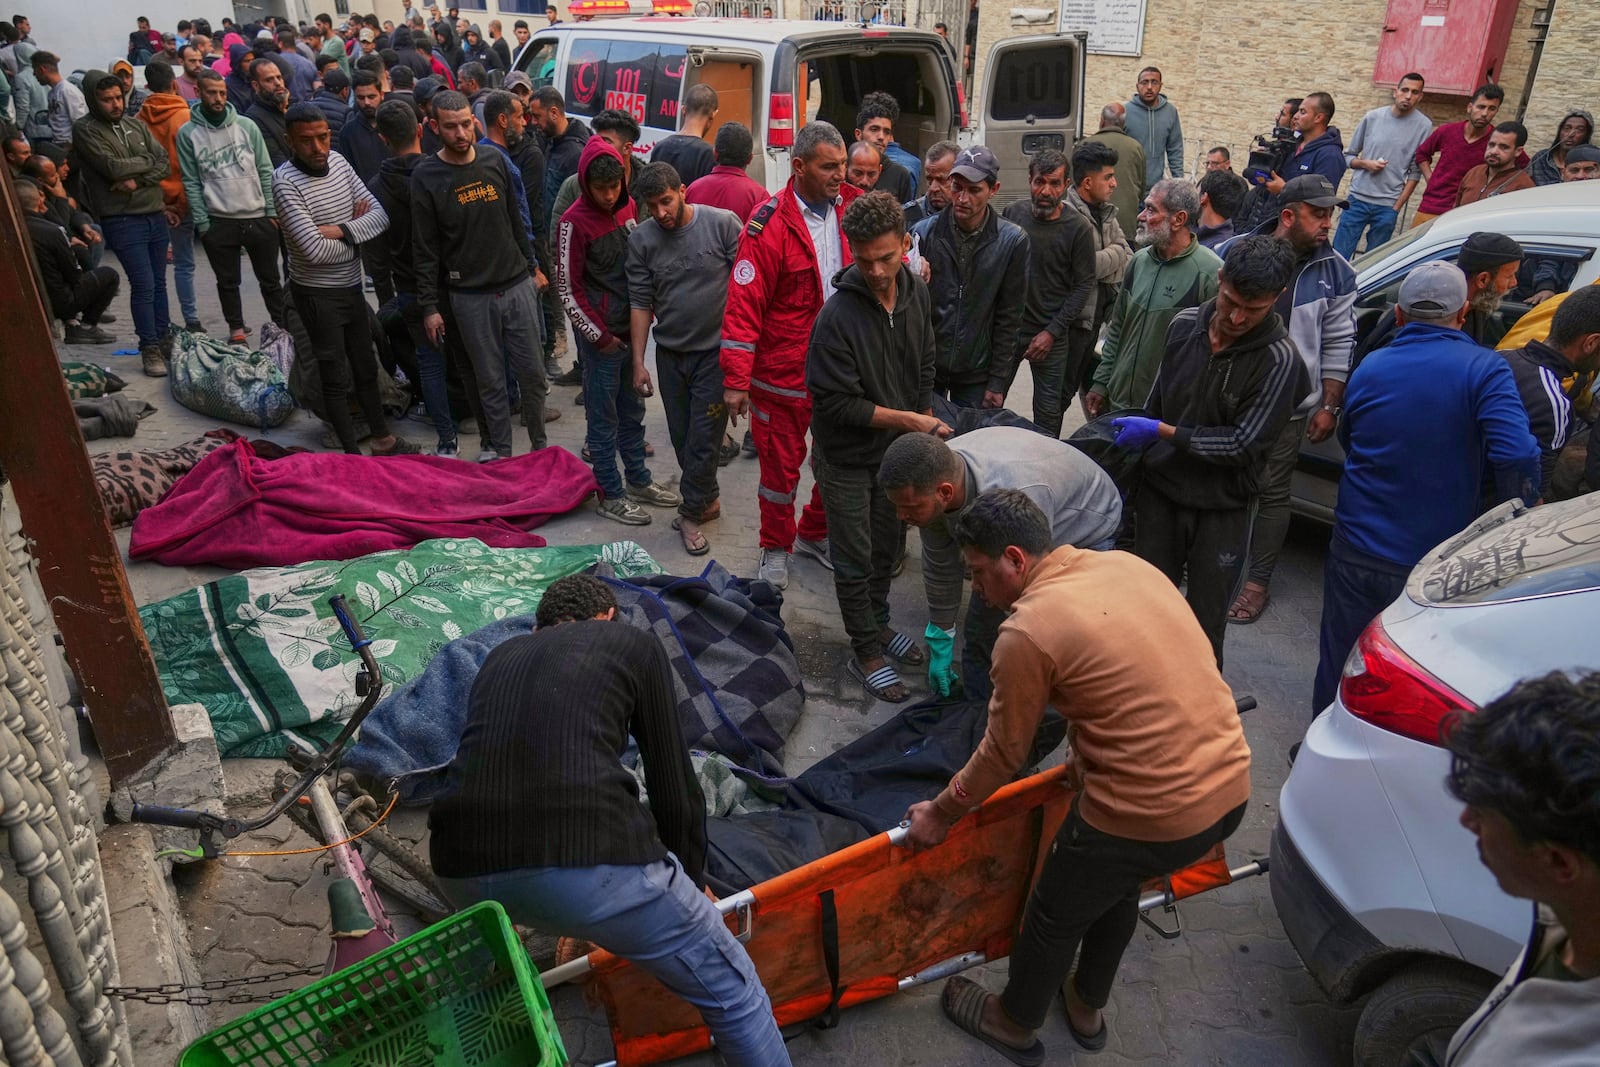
227,175
1153,122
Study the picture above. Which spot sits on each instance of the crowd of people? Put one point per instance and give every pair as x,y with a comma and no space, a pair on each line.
873,307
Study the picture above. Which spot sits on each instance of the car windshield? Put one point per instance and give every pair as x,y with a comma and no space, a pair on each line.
1389,248
1553,549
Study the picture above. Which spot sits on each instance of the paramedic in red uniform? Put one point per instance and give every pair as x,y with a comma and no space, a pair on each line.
788,255
1158,759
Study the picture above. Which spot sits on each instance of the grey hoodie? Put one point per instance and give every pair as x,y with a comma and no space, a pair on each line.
1158,130
227,172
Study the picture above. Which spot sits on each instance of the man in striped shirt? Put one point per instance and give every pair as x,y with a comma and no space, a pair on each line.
325,213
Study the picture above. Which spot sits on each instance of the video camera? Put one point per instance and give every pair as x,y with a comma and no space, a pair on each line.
1269,153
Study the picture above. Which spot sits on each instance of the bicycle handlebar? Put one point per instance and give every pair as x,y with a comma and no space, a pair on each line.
159,816
352,629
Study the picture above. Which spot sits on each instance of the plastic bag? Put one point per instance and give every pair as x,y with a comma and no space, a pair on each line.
235,384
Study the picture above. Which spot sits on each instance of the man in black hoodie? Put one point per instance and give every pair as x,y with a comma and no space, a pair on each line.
1549,374
869,369
71,290
1229,381
563,140
268,108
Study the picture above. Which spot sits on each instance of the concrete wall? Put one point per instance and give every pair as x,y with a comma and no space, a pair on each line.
1229,64
90,34
1569,73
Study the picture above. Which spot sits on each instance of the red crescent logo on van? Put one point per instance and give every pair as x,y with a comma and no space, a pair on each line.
585,81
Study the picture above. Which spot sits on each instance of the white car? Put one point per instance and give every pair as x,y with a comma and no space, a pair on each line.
1558,227
1376,882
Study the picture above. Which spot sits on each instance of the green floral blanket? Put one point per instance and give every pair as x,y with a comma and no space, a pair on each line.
263,653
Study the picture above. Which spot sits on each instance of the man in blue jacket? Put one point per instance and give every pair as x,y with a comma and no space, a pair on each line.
1321,148
1409,483
1153,122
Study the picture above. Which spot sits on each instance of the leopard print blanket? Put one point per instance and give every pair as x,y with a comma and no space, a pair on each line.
129,482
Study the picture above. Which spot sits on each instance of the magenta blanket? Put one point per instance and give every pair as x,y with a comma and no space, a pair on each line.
235,509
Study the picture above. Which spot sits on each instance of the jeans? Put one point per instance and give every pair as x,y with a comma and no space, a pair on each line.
969,395
691,393
430,369
182,238
341,337
616,418
864,544
654,916
223,240
1272,510
1377,220
1050,392
140,242
501,333
1356,587
1088,895
1209,545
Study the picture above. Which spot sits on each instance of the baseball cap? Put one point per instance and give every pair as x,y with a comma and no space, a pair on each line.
977,164
1311,189
425,88
516,79
1435,290
368,35
1487,251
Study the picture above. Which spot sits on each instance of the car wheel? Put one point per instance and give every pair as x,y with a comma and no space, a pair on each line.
1410,1018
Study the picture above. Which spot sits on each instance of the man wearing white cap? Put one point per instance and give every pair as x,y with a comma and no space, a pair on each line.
1409,482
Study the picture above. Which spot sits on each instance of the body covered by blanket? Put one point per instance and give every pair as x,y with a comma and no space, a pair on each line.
735,677
264,655
237,510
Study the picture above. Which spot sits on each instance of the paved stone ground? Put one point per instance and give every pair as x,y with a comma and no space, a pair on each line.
1231,990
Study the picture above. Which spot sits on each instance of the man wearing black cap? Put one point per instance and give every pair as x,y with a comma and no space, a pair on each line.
1490,262
979,284
1583,164
1411,482
1318,308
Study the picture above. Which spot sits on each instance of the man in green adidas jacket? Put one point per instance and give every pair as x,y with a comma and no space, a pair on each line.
1171,271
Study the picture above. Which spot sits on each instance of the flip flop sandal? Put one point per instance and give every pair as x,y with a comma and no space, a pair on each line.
963,1000
879,682
1244,616
905,650
1088,1042
694,542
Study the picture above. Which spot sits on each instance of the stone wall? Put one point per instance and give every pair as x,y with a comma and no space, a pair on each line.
1229,64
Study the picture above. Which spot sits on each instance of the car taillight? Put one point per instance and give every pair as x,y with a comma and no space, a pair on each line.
1387,688
780,120
961,103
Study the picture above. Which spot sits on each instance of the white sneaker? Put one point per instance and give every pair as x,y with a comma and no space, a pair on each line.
488,456
774,567
817,550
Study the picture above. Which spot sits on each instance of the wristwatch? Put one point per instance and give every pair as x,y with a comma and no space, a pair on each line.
1333,409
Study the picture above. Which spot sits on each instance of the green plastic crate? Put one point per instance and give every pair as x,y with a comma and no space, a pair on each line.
462,992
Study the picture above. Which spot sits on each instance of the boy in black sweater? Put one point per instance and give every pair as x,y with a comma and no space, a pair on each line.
539,814
1229,381
869,370
466,219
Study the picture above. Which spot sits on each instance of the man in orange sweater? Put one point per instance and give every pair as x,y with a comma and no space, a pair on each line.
1158,759
164,111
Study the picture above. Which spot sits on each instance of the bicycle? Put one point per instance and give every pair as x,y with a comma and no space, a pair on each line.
361,926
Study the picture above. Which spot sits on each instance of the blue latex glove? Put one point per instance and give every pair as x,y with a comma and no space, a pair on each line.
941,653
1134,431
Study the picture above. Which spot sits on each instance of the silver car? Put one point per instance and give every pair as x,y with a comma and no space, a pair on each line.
1377,884
1558,227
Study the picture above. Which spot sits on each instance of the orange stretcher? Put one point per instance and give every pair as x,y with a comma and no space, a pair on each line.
873,919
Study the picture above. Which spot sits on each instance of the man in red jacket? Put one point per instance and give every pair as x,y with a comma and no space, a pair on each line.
728,186
788,255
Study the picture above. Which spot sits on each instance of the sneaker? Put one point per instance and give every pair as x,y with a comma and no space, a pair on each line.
728,453
749,446
817,550
88,335
488,456
774,569
625,511
194,326
552,368
155,364
239,336
106,317
401,447
655,495
448,451
573,376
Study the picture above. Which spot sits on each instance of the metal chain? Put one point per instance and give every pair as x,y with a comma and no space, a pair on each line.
178,993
